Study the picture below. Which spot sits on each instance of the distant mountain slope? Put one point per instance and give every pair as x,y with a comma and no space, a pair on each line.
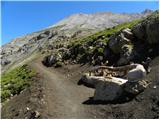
71,27
98,20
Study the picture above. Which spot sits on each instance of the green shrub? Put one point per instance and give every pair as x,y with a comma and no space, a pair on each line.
58,64
5,94
100,51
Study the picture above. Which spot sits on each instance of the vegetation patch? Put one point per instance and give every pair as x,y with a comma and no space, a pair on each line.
14,81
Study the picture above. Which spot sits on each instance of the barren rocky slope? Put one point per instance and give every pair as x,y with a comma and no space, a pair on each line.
70,28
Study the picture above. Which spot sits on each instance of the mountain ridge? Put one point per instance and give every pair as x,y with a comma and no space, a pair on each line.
66,29
146,12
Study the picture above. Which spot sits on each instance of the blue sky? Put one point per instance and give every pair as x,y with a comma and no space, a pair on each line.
20,17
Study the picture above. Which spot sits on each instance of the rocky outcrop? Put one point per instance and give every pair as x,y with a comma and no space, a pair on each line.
148,29
5,62
119,39
121,43
51,60
130,43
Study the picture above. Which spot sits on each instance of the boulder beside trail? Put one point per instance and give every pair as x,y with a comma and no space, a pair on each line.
49,60
106,89
109,89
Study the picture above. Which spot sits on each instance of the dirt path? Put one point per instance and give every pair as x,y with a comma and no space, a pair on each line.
55,94
63,97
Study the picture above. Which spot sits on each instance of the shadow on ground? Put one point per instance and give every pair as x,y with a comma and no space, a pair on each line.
121,100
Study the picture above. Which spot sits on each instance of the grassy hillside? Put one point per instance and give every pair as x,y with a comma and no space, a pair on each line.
16,80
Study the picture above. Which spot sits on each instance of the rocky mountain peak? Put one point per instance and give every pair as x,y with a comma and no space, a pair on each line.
147,11
98,21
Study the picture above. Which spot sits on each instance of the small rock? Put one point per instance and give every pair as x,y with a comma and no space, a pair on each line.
37,114
154,86
27,108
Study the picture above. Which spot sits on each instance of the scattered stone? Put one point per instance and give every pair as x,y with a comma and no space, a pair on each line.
27,108
34,115
154,86
11,95
37,114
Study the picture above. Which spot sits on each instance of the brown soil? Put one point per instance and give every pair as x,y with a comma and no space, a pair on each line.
55,94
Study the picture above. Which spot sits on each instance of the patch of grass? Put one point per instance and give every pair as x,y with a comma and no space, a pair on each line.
14,81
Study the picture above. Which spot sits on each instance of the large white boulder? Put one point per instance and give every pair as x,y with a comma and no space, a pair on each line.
109,89
106,89
137,73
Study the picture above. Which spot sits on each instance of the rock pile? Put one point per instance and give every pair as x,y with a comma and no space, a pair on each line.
109,88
